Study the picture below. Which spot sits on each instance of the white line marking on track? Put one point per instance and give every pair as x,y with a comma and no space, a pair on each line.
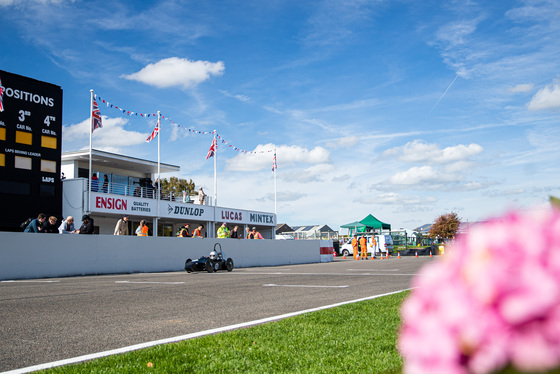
29,281
132,282
301,285
375,269
186,337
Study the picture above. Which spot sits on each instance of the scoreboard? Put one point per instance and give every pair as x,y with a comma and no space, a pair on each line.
30,149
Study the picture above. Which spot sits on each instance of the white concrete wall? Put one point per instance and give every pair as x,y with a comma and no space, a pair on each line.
26,256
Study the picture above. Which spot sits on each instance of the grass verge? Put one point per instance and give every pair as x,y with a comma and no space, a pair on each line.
353,338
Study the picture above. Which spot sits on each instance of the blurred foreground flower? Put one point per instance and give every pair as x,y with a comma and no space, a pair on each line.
493,301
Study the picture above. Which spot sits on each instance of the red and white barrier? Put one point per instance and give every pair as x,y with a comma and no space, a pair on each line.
326,250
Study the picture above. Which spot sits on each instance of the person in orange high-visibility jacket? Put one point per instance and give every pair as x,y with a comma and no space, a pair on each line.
354,243
142,229
363,248
255,234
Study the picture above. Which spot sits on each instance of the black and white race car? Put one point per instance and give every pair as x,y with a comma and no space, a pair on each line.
214,262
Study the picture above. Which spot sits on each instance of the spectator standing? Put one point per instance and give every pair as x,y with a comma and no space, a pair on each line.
122,226
142,229
36,226
197,233
201,196
223,231
67,226
234,233
184,231
87,225
94,182
50,226
247,232
105,187
255,234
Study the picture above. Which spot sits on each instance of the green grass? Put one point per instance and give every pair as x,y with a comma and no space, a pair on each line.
354,338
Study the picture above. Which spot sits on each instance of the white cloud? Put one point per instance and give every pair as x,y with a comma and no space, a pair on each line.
421,175
459,166
261,158
455,33
392,198
546,98
312,174
177,72
283,196
420,151
526,87
345,142
112,137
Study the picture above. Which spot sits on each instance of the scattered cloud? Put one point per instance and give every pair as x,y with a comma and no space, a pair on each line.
177,72
393,198
546,98
526,87
261,157
112,137
242,98
345,142
420,151
283,196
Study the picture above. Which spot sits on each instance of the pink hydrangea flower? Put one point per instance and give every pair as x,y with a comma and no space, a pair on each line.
492,301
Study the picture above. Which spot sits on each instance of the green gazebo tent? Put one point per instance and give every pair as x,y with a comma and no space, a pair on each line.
368,223
371,221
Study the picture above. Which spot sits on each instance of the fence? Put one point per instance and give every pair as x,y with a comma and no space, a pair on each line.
149,192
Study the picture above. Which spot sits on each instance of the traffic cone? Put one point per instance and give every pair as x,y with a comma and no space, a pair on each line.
431,254
344,257
372,257
416,254
387,255
398,254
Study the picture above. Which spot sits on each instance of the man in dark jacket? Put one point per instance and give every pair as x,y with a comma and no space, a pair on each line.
50,226
87,225
37,224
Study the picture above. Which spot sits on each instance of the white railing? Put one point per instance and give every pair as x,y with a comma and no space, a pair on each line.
306,235
144,192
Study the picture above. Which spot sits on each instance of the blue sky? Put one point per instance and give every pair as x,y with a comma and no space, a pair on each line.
403,109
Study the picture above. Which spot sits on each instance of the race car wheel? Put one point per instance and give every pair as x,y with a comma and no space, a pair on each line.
229,264
187,267
216,265
208,266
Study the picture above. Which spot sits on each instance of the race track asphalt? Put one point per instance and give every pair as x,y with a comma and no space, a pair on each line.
46,320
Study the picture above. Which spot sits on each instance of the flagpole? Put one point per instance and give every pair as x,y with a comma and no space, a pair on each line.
275,171
215,176
158,124
90,142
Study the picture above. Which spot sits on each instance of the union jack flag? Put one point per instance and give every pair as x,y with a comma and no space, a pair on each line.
274,166
1,97
95,117
212,150
154,133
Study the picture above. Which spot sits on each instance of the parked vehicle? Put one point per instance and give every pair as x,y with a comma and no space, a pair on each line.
384,244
